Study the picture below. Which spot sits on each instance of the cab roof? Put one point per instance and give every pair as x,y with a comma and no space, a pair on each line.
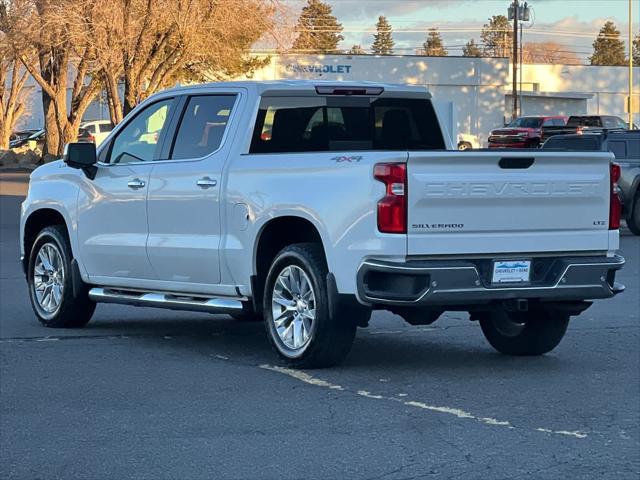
307,86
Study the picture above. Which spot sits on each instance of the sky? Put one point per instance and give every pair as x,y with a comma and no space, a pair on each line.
574,23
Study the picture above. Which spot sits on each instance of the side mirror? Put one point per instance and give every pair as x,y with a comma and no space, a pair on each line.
82,156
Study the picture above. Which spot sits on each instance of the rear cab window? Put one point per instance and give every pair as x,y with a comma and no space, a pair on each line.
318,123
584,122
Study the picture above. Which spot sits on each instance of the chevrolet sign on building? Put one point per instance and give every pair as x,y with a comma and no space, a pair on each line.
317,68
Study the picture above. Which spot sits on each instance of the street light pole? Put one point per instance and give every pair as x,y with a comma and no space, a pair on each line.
517,12
630,45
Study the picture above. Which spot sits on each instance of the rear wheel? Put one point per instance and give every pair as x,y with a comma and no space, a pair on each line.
633,222
296,310
50,285
524,333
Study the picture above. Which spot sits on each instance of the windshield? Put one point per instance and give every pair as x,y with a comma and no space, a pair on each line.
526,122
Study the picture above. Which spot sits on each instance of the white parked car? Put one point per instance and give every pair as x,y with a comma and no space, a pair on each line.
467,141
99,129
310,204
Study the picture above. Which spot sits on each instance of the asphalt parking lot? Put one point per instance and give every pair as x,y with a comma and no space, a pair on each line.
145,393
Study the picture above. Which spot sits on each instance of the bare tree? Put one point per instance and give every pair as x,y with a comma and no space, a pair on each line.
151,44
51,39
12,80
548,52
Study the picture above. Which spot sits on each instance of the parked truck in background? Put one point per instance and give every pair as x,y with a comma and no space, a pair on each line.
625,146
579,124
524,132
310,204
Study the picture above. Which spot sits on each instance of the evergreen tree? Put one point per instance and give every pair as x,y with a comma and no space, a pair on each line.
382,40
636,51
356,50
497,37
433,46
471,49
608,48
318,30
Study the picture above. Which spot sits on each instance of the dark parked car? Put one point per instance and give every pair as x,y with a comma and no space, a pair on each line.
21,134
625,146
523,132
584,123
39,138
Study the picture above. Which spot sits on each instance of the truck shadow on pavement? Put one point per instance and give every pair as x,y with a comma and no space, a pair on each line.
246,343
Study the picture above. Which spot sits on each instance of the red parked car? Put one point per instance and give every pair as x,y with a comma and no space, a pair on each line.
524,132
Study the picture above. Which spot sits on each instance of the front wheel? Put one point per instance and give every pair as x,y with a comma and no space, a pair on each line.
50,284
524,333
296,310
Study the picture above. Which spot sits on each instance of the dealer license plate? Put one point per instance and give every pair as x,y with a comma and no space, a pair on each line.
511,271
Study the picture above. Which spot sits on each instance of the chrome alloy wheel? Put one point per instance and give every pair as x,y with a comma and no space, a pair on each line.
48,278
293,305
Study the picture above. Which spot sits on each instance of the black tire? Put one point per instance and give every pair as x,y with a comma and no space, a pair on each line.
633,221
524,333
71,312
331,337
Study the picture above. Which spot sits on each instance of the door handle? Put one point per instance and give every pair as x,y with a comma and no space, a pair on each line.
206,182
136,183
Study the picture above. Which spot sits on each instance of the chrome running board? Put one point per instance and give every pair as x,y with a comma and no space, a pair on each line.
166,300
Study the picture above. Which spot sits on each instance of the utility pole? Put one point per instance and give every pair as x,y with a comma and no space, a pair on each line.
514,94
517,12
630,45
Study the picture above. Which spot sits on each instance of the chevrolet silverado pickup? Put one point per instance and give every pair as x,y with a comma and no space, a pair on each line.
309,204
524,132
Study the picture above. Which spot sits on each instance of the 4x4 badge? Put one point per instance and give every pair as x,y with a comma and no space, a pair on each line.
342,158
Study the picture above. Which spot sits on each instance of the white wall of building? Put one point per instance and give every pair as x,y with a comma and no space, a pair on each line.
479,88
609,85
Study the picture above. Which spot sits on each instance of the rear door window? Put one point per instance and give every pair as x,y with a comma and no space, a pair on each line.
202,126
105,127
316,124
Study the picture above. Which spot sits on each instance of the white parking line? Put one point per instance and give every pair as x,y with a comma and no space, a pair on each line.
456,412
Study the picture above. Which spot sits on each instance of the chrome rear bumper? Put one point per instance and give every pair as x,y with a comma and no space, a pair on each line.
461,282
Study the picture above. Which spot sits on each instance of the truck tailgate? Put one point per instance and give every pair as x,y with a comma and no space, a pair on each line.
507,202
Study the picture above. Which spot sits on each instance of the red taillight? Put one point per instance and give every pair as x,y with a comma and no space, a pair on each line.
92,139
392,208
615,206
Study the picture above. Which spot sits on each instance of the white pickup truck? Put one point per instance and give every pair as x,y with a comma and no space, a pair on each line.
310,204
